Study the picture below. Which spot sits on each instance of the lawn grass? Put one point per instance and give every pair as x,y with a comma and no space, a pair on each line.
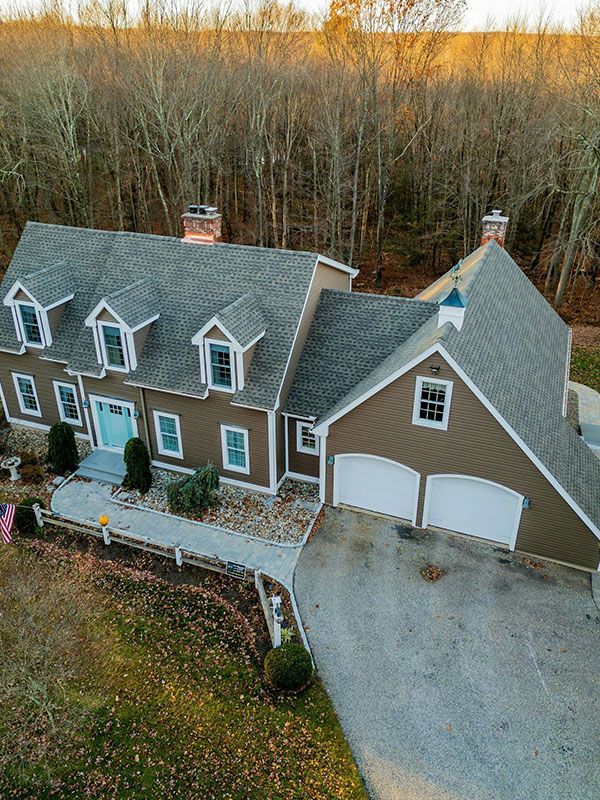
114,683
585,366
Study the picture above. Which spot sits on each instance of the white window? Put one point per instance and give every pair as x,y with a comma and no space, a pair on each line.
432,403
168,434
68,404
114,350
220,365
234,446
27,394
306,441
31,327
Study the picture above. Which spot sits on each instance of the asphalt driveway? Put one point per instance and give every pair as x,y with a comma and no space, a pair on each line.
480,686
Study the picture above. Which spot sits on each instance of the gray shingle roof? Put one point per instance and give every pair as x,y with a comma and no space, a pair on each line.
51,284
136,303
514,347
351,335
243,319
193,283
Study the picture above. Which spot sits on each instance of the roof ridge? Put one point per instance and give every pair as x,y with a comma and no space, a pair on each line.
384,297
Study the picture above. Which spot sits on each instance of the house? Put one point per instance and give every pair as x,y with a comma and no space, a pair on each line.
446,410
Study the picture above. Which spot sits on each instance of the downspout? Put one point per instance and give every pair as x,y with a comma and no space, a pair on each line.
272,437
86,412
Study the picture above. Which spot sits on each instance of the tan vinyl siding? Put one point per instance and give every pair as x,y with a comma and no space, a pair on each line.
21,296
54,316
200,422
139,340
216,333
474,444
302,463
106,316
247,357
44,373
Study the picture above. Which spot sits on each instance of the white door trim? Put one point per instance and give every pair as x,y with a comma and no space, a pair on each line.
520,497
115,402
336,483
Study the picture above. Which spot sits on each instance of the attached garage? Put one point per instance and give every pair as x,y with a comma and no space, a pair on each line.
376,484
474,506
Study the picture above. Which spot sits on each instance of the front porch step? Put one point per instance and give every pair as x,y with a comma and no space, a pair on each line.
103,466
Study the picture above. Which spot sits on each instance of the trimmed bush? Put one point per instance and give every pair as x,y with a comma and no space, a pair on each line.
62,450
25,521
137,463
192,495
32,473
289,666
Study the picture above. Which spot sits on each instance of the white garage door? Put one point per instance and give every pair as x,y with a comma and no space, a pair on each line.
376,484
473,506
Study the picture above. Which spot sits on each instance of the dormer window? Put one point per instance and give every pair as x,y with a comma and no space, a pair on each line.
30,325
220,359
113,347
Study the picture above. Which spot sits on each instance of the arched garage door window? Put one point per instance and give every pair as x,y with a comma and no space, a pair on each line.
474,506
376,484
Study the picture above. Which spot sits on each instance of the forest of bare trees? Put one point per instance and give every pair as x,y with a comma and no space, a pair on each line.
376,135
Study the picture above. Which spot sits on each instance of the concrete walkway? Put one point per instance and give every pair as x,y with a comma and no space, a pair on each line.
85,502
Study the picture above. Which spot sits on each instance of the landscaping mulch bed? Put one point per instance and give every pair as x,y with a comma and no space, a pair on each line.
284,518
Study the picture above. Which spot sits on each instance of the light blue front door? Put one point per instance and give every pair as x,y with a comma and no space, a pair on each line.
114,421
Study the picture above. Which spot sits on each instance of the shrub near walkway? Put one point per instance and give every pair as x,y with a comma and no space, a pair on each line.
116,684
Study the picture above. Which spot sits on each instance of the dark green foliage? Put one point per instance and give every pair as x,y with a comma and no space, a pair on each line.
288,666
137,463
25,518
192,495
62,450
32,473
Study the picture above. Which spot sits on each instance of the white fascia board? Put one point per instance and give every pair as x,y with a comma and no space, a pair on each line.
59,302
14,290
213,322
91,320
299,416
524,447
253,408
15,352
144,323
330,262
166,391
322,429
102,374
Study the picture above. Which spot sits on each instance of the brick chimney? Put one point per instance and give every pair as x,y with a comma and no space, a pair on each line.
201,224
494,227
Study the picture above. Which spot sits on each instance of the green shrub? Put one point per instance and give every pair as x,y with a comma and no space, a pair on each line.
191,495
288,666
25,518
62,450
137,464
32,473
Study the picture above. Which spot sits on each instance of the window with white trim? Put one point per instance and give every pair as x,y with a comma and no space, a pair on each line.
168,434
220,366
30,325
68,404
432,403
235,450
113,347
27,394
306,441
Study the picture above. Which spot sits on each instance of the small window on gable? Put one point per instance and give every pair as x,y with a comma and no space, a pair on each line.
306,441
30,325
113,347
220,366
432,403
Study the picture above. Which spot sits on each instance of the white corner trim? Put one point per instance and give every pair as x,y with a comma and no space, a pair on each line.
92,320
30,412
300,448
159,440
86,412
567,374
227,467
330,262
519,508
322,467
516,438
323,426
427,423
61,410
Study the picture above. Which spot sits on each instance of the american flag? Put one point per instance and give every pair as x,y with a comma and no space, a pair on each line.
7,517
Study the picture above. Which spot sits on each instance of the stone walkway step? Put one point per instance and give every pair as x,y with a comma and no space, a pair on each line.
104,466
85,502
